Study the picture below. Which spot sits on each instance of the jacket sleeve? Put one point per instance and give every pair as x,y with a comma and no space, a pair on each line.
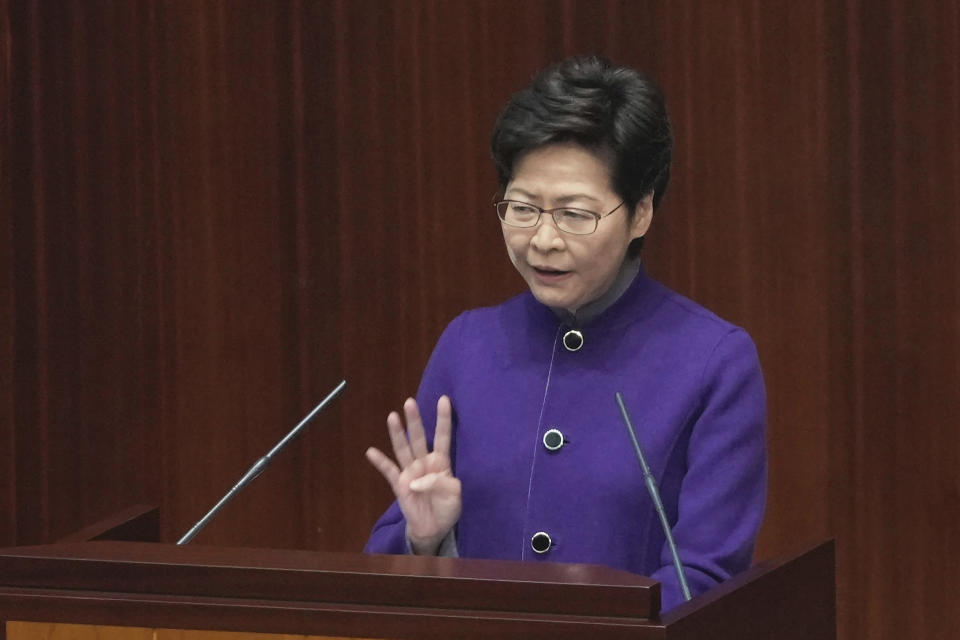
389,532
723,492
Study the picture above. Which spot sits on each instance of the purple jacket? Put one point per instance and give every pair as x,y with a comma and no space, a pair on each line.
693,386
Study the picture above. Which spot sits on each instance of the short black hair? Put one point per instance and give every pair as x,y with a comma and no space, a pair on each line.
590,101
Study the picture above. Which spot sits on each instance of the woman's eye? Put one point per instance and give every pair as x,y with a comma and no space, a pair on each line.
575,216
523,209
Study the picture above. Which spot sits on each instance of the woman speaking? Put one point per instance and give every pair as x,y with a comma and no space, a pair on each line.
515,447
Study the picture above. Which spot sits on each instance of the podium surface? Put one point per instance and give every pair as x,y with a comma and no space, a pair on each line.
118,589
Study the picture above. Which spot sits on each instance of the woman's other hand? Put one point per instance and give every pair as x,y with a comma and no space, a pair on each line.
422,480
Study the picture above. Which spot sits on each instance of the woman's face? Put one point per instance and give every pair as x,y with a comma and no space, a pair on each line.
563,270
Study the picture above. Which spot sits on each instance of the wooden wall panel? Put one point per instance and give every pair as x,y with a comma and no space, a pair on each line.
8,517
904,151
213,211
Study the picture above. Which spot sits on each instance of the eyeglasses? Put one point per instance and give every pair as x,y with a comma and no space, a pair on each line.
524,215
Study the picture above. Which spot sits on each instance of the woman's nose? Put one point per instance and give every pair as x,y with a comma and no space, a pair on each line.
547,236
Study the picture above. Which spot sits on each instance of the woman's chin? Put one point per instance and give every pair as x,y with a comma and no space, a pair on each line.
553,298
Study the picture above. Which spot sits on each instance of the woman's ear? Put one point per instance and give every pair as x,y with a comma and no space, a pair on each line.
642,217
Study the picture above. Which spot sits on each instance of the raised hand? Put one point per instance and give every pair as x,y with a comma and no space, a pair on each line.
422,480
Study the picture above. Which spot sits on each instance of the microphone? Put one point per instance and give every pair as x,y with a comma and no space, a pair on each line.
657,503
259,466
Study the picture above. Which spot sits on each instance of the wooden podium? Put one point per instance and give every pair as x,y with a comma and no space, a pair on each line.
94,586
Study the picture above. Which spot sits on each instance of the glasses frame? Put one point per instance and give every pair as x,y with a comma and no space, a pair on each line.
553,214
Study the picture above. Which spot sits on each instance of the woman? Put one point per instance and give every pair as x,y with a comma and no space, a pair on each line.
530,457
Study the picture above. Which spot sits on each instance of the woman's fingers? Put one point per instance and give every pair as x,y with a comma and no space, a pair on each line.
410,443
394,475
398,438
441,439
418,439
387,468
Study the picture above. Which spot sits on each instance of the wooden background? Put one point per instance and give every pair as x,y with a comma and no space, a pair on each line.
214,211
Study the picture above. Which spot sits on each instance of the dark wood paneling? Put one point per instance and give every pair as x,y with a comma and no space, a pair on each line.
213,211
8,517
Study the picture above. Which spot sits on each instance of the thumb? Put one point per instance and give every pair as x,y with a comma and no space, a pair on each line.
425,482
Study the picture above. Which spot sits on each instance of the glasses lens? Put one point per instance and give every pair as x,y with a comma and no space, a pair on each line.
518,214
576,221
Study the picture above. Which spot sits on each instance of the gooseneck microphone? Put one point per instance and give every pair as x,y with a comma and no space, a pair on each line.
259,466
657,503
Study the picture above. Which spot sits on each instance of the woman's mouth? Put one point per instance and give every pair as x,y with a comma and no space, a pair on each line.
549,275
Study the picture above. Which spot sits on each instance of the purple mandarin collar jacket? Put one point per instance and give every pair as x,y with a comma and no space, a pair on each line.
694,390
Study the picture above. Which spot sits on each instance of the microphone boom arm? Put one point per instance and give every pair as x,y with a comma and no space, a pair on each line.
259,466
657,503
